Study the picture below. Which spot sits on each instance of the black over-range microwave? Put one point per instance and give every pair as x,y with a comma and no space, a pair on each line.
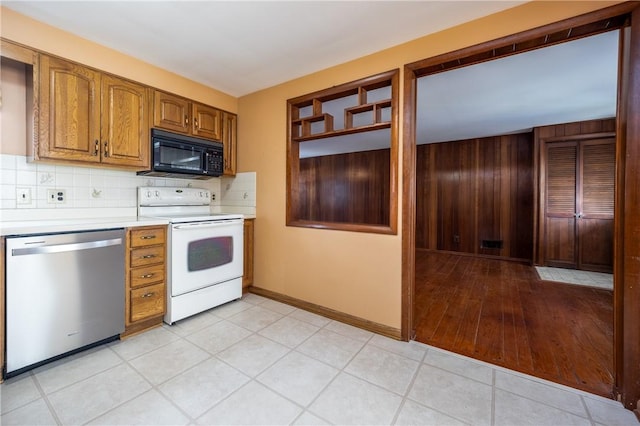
182,156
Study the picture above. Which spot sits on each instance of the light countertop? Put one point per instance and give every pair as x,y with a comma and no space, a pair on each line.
70,225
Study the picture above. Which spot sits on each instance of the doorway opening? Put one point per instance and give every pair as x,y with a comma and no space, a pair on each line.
597,23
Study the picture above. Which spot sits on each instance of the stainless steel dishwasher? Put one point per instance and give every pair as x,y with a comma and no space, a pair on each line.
63,292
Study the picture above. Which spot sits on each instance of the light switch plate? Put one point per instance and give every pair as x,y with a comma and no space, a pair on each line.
23,196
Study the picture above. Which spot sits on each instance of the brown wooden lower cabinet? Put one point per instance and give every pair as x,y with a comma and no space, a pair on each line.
145,283
247,277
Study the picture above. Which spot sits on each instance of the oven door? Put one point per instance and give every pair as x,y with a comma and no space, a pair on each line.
205,254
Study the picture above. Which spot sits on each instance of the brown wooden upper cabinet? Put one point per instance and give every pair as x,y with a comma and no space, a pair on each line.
184,116
91,117
178,114
229,141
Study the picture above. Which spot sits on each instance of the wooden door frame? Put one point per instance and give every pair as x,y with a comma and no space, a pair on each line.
627,216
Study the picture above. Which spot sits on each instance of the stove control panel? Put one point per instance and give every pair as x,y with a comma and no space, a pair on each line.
172,196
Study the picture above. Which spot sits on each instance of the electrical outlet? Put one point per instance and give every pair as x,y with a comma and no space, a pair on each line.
456,238
56,196
213,196
23,196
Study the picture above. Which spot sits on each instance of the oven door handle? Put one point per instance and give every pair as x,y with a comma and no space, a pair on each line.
212,224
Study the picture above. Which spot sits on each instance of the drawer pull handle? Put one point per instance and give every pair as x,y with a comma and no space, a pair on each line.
147,295
148,256
146,275
96,149
147,237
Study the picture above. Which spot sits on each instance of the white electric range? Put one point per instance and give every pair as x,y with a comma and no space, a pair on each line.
205,250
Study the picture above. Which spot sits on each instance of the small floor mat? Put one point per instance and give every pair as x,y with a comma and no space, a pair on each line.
572,276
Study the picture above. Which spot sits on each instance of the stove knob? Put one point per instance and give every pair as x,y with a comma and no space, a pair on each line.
157,194
148,194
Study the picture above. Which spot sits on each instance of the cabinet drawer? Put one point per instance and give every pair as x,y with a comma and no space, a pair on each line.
147,256
147,236
147,302
143,276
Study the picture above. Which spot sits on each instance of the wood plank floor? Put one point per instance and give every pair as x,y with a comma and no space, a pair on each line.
500,312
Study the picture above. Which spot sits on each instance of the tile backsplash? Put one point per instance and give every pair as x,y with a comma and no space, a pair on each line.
99,188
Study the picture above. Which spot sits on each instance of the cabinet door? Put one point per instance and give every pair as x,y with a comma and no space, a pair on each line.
125,123
206,122
229,141
69,117
171,112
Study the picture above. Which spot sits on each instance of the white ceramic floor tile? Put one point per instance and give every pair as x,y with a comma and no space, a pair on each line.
281,308
34,413
169,361
78,367
411,349
254,404
513,409
332,348
610,413
460,365
229,309
310,317
545,394
413,413
453,395
378,366
255,318
309,419
253,299
349,331
197,390
298,377
150,408
194,323
98,394
289,331
218,336
349,400
140,344
253,354
17,392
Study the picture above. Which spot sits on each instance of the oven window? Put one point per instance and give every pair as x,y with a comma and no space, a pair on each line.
209,253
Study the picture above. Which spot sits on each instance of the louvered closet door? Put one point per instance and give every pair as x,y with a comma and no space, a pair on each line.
579,192
560,208
595,223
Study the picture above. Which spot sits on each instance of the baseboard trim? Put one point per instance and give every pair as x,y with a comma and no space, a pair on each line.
374,327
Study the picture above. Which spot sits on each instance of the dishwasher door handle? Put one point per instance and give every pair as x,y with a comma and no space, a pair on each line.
59,248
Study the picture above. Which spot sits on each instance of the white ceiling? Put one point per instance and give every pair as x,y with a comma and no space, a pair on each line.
240,47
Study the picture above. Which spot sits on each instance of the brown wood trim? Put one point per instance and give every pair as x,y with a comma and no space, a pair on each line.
579,137
293,165
627,288
17,52
592,23
627,330
374,327
2,315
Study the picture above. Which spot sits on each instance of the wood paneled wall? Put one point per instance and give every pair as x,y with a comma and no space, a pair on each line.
474,190
348,188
